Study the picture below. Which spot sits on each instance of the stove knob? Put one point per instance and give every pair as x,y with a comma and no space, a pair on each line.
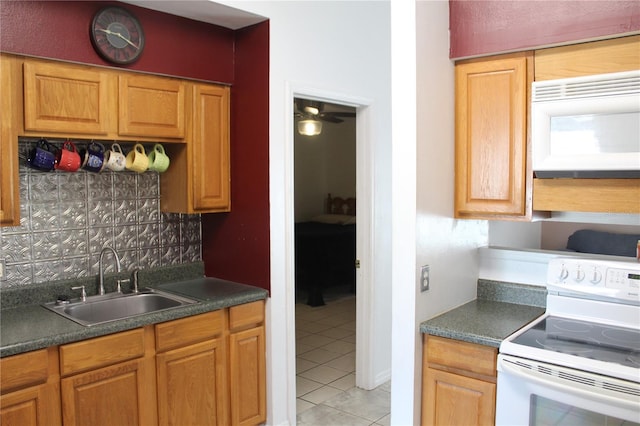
597,276
564,273
579,275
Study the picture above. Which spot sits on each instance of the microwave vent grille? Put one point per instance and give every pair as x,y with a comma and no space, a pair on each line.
615,84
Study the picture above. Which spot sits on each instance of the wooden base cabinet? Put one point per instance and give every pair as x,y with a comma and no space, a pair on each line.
207,369
109,380
458,383
191,371
247,364
30,389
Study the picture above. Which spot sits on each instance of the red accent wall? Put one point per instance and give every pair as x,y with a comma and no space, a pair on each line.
235,245
481,27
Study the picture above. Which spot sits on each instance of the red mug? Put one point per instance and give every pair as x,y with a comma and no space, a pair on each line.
68,158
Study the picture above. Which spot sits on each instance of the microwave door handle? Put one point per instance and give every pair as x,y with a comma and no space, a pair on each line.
555,383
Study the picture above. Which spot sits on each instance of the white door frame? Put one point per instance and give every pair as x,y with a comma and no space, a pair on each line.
365,376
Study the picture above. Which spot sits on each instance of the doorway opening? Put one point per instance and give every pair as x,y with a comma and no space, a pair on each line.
325,183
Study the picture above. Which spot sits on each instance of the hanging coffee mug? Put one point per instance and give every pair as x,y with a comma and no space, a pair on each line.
42,156
93,157
137,160
68,158
158,160
114,159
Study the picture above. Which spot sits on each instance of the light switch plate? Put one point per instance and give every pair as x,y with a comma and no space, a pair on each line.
2,269
424,278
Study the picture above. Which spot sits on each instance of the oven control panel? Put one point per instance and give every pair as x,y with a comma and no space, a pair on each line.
603,278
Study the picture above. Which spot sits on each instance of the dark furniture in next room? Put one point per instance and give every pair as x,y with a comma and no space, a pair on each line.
326,250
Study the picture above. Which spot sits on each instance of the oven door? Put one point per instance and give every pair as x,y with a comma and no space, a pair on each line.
535,393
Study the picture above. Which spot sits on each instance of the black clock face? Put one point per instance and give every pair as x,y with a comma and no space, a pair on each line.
117,35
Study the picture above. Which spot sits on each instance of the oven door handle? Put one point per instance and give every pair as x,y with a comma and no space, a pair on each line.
624,400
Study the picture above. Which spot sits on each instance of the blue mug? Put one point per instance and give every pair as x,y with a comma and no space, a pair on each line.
42,156
93,157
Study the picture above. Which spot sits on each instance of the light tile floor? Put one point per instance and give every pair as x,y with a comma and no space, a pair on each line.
325,368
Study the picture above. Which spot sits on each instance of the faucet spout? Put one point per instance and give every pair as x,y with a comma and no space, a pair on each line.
101,269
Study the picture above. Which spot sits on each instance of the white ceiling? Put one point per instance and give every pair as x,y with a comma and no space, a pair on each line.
203,10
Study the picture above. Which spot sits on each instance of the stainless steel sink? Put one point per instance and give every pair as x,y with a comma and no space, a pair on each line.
116,306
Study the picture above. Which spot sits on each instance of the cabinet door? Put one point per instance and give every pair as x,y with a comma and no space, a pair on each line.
34,406
247,378
210,149
151,106
68,99
30,386
121,394
9,98
192,386
492,180
450,399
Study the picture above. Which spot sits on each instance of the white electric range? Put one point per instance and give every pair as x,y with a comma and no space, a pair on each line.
580,362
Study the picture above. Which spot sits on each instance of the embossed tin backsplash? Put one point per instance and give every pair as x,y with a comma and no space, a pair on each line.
67,218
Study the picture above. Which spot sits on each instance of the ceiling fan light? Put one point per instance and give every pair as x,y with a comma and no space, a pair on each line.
311,110
309,127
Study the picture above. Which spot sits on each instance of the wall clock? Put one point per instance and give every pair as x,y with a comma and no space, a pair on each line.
117,35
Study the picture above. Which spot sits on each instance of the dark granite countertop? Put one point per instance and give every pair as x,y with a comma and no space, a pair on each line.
499,310
30,326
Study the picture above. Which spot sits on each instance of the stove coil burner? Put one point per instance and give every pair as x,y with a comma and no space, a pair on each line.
571,326
629,338
564,343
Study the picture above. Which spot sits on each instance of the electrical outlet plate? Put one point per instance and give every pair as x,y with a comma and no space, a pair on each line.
424,278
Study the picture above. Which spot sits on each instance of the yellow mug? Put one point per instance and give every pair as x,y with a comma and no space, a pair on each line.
137,160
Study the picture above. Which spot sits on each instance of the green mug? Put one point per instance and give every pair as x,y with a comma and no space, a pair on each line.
158,159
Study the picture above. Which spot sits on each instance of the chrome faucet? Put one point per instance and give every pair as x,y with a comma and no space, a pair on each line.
101,269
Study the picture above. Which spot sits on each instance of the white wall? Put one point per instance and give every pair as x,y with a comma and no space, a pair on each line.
343,48
448,245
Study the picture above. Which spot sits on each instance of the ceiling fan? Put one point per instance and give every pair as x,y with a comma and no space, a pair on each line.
316,110
311,114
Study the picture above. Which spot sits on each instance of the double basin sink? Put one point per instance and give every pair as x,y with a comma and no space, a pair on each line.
117,306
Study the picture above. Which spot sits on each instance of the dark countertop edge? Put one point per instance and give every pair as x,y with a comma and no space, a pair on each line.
84,333
462,336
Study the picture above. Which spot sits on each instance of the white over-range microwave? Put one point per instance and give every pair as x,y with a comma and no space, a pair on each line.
587,127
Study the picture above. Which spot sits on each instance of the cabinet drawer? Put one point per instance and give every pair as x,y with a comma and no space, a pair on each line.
24,370
101,351
188,330
461,355
245,315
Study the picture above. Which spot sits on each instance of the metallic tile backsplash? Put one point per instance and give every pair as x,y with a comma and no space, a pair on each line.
67,218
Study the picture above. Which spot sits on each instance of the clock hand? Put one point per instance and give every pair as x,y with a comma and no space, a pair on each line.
118,35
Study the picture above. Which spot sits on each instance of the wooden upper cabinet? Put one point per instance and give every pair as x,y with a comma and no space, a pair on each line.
198,180
211,168
67,99
491,166
598,57
10,119
151,106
